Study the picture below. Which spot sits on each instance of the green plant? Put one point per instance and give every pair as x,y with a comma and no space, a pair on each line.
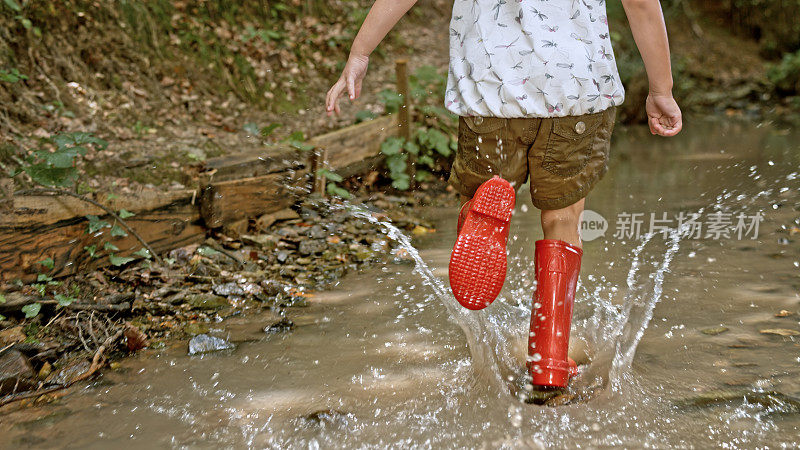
432,140
54,164
12,75
332,188
785,75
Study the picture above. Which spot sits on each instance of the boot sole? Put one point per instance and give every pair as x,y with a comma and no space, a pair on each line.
478,264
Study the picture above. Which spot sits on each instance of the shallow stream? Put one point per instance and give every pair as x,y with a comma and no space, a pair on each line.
669,329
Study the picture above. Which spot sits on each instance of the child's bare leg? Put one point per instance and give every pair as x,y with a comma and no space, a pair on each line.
563,224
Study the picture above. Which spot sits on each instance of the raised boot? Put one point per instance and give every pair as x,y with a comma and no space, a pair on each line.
557,266
478,264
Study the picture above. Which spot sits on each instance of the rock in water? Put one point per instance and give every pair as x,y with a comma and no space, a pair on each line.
279,326
203,343
16,372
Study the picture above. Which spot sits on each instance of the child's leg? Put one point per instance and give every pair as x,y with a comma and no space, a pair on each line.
563,224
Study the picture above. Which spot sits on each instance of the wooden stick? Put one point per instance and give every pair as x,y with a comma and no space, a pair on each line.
401,71
319,160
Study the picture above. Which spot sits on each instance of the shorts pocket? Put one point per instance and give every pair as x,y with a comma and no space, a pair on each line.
569,146
480,142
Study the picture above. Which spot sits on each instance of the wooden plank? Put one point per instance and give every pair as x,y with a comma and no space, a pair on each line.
37,210
165,228
229,201
355,143
254,164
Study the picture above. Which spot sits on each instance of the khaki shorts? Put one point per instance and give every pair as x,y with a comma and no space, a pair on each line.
564,156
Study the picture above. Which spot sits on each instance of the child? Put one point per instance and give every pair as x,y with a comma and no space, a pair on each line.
535,85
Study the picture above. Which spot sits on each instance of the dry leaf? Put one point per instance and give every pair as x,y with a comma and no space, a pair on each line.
780,332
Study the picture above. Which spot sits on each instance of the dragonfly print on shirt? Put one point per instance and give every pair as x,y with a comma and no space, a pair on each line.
531,58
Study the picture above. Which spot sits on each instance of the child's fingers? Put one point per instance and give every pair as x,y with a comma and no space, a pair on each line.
332,101
351,88
650,121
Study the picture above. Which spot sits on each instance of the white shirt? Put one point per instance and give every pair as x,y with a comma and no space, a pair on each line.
531,58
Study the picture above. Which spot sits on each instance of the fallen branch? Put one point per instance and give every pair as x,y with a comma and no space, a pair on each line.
105,208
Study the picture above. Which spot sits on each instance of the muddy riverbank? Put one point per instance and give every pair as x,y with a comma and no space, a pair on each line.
277,263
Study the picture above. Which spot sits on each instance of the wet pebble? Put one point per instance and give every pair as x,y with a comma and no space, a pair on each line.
312,246
280,326
203,343
206,301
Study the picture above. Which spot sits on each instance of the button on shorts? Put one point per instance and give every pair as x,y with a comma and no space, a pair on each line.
564,156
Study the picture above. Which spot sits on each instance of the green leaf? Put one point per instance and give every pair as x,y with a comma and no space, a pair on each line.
13,5
300,145
391,100
119,260
2,299
331,176
91,250
392,146
109,247
333,189
47,262
32,310
46,175
426,160
124,214
95,224
269,129
207,251
117,231
402,183
143,253
43,277
423,175
364,115
64,300
412,148
2,317
396,164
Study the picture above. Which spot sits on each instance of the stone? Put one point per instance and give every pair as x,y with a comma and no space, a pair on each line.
16,372
207,301
312,246
280,326
203,343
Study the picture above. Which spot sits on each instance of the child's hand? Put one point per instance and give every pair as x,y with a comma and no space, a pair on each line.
663,115
351,78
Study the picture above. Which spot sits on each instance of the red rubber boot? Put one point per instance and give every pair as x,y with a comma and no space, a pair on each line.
557,268
478,262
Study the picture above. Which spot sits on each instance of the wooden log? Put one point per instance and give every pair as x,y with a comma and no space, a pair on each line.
251,197
355,143
38,210
253,164
21,248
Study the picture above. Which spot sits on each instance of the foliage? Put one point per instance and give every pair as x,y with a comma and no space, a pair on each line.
12,75
785,75
332,188
432,142
53,164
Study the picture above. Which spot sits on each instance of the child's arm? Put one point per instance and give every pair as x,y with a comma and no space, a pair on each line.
382,17
650,33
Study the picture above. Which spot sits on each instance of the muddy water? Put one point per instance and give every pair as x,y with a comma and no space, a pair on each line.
387,359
